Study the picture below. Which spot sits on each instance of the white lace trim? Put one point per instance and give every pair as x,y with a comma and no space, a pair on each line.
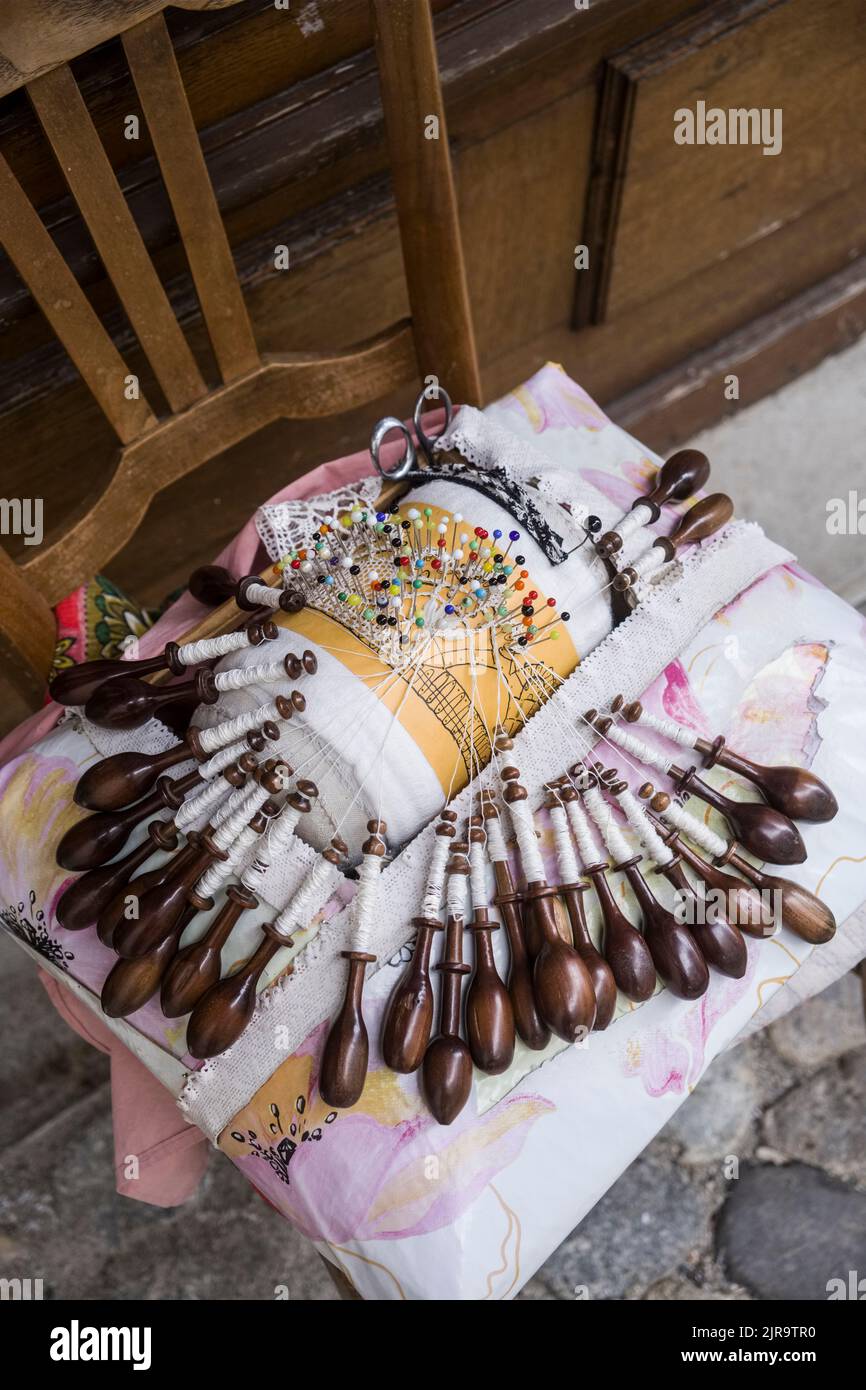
285,526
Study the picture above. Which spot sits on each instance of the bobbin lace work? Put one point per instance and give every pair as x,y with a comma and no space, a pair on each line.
492,461
626,662
285,526
480,441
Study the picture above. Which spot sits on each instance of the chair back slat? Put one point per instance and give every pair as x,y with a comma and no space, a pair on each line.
92,182
207,417
157,78
55,289
425,197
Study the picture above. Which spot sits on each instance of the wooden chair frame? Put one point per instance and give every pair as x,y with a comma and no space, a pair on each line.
255,389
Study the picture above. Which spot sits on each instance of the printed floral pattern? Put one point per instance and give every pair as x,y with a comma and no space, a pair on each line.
97,620
551,400
37,808
397,1172
670,1060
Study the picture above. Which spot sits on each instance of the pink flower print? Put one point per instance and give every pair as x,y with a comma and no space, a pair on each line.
670,1059
551,400
383,1170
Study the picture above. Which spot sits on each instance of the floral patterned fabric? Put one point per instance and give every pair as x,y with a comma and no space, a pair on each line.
97,620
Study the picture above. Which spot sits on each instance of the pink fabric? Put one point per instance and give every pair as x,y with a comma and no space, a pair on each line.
172,1155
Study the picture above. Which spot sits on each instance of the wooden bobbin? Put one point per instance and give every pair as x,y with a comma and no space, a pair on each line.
794,791
290,600
284,705
561,982
674,951
127,896
347,1048
161,906
88,898
528,1021
682,475
81,904
222,1012
126,702
409,1016
212,585
799,910
600,973
196,968
131,983
447,1067
763,831
95,839
489,1011
119,780
625,950
700,521
676,956
720,941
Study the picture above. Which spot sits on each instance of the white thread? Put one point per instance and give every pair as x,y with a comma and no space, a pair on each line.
497,851
432,899
455,895
222,759
280,832
633,521
239,676
647,564
695,830
582,831
569,870
226,833
640,822
312,895
637,748
677,733
478,875
191,653
232,729
527,840
263,596
222,870
365,901
602,813
198,805
232,803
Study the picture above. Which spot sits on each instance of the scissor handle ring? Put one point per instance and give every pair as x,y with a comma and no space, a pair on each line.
426,442
377,438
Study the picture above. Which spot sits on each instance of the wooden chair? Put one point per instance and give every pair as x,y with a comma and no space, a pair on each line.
255,389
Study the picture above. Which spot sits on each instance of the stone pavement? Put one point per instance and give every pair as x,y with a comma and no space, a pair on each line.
788,1105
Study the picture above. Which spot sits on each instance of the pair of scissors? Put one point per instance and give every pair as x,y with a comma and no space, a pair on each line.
408,459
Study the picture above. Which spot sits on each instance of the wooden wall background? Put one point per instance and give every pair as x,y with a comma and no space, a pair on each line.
703,260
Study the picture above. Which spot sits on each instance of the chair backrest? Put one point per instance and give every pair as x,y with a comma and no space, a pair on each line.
255,388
